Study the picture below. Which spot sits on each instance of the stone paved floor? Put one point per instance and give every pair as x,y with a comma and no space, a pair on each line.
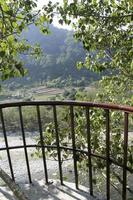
6,193
39,191
55,191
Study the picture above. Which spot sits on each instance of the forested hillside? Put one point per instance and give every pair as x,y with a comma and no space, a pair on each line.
60,55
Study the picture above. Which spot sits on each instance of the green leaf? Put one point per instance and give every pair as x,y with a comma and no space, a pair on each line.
2,53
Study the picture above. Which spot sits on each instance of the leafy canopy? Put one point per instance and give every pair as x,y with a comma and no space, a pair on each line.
105,29
16,16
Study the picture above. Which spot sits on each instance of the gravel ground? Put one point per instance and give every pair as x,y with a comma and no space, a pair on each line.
19,164
37,190
37,172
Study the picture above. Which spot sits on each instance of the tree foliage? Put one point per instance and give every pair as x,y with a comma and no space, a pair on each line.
15,16
105,29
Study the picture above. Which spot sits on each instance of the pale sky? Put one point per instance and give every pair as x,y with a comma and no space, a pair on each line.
42,2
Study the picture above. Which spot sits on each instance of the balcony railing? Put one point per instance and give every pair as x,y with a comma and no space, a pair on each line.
107,108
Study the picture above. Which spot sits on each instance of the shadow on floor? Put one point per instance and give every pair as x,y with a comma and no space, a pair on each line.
54,191
5,193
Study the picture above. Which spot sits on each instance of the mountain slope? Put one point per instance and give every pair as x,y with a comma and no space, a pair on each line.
61,53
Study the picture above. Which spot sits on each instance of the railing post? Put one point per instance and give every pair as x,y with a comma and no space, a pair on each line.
42,143
107,154
74,146
125,151
6,143
89,149
24,142
58,143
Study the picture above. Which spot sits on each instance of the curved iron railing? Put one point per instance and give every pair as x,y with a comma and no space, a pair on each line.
87,105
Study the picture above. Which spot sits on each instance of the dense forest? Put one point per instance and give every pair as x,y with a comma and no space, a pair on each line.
60,54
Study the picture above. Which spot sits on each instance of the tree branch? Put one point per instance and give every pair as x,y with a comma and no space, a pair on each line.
85,14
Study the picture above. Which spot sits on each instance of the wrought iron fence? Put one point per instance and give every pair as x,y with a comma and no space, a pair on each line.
87,106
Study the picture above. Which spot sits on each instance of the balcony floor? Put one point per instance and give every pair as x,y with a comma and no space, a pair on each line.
39,191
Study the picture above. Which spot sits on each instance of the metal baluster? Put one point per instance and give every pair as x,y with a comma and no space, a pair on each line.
24,143
107,154
89,149
125,149
42,144
57,143
6,143
74,146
